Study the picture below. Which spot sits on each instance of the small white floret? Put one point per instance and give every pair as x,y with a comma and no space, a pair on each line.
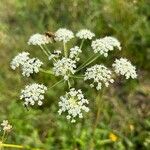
124,67
85,34
104,45
100,75
33,93
38,39
63,35
74,53
31,66
18,60
6,126
64,67
74,104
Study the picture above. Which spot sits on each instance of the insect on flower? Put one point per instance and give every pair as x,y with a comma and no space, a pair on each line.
51,35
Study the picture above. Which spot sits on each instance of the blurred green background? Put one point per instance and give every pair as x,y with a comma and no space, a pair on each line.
125,111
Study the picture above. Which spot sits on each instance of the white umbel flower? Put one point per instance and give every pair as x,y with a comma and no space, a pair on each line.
74,103
38,39
31,66
6,126
124,67
105,44
74,53
85,34
64,67
33,93
100,75
18,60
64,35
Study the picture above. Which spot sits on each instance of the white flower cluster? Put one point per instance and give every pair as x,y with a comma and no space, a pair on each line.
33,93
64,67
6,126
20,59
74,103
64,35
100,75
85,34
124,67
28,65
31,66
105,44
74,53
38,39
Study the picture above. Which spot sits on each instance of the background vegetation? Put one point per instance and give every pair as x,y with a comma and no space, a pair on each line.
125,110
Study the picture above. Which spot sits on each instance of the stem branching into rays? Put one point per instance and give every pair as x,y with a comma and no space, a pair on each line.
65,50
87,63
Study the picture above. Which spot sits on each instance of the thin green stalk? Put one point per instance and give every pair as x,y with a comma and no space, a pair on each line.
65,50
88,63
45,52
16,146
51,73
49,52
11,146
47,49
3,136
77,77
56,83
47,71
69,84
81,43
85,62
98,105
103,142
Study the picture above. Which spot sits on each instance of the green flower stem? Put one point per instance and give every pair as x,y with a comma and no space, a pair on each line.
99,100
46,71
103,142
45,47
51,73
85,62
11,146
49,52
83,66
77,77
56,83
69,84
17,146
45,52
65,50
3,136
81,43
